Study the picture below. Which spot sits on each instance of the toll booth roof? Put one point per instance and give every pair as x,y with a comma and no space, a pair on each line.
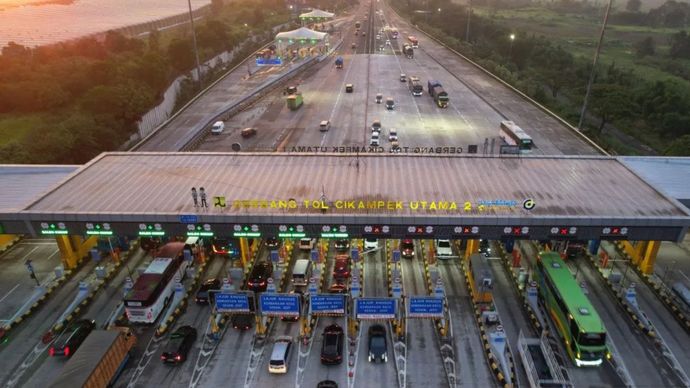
264,184
23,183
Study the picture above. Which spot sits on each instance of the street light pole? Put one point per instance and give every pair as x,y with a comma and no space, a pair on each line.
594,66
469,15
196,51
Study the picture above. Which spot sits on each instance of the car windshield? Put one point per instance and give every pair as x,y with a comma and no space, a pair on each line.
371,240
444,244
378,343
408,245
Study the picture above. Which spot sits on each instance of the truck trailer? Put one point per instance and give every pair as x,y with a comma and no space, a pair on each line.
99,360
437,92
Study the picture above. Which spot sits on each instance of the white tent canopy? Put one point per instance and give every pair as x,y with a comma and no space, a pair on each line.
317,13
302,33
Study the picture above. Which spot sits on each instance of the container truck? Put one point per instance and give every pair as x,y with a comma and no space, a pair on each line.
339,63
408,51
294,101
437,92
99,360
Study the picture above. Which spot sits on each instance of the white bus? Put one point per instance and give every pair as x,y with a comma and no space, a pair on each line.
514,135
154,288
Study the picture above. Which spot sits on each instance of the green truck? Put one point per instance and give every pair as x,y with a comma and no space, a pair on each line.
294,101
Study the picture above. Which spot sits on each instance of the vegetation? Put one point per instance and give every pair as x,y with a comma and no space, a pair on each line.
68,102
642,86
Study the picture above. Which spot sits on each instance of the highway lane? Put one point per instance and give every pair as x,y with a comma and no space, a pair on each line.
470,365
375,285
550,137
423,354
314,370
513,315
579,376
666,325
15,284
99,310
25,349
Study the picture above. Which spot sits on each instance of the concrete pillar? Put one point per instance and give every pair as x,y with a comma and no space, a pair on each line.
472,248
67,253
244,250
649,258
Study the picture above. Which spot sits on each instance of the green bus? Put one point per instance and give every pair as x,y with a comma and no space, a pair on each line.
574,316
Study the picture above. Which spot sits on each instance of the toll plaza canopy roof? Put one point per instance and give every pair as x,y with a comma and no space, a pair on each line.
670,174
345,194
301,33
316,13
22,183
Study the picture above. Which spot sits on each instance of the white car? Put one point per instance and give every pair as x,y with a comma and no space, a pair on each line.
388,43
307,244
370,243
378,36
374,139
393,135
217,127
443,249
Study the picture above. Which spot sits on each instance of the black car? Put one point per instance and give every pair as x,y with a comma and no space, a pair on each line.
242,321
203,296
225,247
181,340
342,245
332,346
272,243
327,384
257,280
407,248
378,349
485,247
68,342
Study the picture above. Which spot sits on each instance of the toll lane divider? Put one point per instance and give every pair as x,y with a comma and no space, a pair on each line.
430,289
319,286
182,306
99,286
541,107
505,260
9,245
660,290
55,284
621,299
493,362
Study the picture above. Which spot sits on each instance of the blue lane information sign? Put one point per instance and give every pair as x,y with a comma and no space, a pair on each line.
425,307
375,308
355,255
396,256
232,303
279,304
189,219
327,304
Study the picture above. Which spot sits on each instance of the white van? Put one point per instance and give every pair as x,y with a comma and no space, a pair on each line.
280,356
218,128
301,273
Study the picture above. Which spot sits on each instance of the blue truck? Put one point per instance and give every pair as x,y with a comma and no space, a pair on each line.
339,63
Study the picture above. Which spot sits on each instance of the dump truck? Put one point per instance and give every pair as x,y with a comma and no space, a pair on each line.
437,92
294,101
408,51
99,360
339,63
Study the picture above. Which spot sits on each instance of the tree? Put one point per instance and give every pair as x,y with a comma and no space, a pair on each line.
154,40
633,5
16,50
645,47
180,54
609,102
680,45
679,147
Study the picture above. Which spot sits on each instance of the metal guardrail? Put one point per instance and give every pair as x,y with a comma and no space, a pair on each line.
511,87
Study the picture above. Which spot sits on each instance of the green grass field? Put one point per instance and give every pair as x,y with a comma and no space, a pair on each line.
15,128
578,34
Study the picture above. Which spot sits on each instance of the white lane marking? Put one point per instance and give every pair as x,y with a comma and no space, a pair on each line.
53,254
28,254
8,294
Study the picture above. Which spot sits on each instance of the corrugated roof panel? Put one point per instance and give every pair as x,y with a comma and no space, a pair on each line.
669,174
21,184
134,183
